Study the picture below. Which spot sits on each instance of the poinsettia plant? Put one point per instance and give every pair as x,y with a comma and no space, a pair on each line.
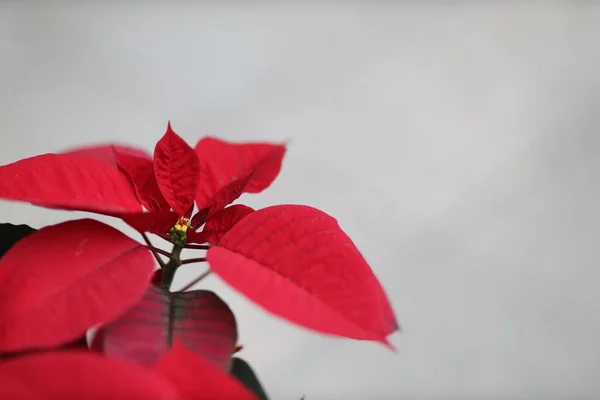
59,282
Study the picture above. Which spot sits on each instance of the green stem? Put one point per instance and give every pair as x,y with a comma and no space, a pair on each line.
171,267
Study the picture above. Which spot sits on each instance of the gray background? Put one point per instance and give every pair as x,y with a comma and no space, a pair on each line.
455,142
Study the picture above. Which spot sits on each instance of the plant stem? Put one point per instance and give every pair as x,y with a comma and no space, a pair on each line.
171,267
160,251
198,279
193,260
152,248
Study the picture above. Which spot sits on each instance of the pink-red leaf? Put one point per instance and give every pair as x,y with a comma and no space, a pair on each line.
199,218
74,375
296,262
63,279
106,152
69,182
141,172
220,223
223,162
177,171
226,195
197,237
197,379
199,319
157,222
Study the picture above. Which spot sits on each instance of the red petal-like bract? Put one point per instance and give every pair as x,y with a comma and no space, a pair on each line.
106,152
224,162
199,218
69,182
177,171
197,379
199,319
157,222
296,262
227,195
75,375
63,279
141,172
220,223
197,237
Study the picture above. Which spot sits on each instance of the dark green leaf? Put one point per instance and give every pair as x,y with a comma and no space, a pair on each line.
11,234
245,374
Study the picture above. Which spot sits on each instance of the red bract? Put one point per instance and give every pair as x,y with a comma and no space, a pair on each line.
249,167
296,262
107,153
177,171
223,221
81,376
197,379
199,319
76,375
141,173
63,279
70,182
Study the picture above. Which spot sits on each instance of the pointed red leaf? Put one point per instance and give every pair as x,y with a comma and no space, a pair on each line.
189,212
197,379
141,172
69,182
220,223
199,218
223,162
79,344
73,375
296,262
157,222
197,237
157,277
199,319
177,171
63,279
227,195
106,152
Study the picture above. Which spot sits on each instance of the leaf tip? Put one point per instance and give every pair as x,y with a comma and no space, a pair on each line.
390,346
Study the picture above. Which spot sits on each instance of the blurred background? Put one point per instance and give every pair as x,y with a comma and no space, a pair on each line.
455,142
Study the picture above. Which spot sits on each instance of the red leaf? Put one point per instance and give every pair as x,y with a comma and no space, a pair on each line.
197,237
68,182
157,277
226,195
199,218
157,222
199,319
66,278
197,379
79,344
189,212
223,162
296,262
141,172
73,375
177,171
106,152
220,223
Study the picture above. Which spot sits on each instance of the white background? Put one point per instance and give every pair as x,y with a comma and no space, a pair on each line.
455,142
